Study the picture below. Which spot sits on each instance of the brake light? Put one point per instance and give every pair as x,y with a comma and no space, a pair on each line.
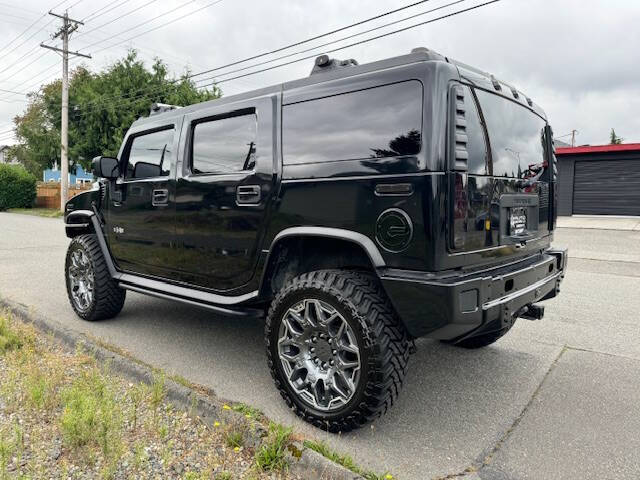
460,208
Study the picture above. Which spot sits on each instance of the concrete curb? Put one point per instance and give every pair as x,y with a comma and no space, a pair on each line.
306,463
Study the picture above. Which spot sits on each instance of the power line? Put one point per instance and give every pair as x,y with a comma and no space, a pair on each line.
96,14
361,22
333,42
358,43
143,94
122,101
281,48
5,14
458,12
119,17
38,82
37,31
8,5
29,53
154,28
29,27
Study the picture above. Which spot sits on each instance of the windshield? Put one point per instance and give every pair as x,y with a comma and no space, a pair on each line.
516,136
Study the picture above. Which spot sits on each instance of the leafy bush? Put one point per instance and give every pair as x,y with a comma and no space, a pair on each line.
17,187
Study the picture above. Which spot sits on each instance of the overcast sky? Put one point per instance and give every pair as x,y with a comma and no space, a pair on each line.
578,59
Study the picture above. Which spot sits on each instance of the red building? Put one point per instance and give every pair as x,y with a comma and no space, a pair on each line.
599,180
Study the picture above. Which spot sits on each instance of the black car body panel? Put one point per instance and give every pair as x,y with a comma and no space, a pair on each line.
368,165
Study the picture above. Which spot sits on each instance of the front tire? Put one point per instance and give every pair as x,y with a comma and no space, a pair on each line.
336,349
93,294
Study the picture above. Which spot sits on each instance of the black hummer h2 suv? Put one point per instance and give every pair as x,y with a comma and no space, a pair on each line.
358,209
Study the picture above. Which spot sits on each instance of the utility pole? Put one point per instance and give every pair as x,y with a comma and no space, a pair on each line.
69,26
573,137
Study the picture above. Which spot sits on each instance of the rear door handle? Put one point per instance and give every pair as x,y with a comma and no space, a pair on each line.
160,197
248,194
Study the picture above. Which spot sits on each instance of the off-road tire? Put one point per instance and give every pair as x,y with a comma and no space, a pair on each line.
108,298
483,340
382,339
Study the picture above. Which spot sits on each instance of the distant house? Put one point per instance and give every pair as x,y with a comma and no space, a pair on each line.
77,175
5,157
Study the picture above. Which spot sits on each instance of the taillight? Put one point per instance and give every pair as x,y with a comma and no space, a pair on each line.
460,208
553,189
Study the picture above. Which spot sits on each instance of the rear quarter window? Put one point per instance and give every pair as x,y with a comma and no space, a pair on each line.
516,135
379,122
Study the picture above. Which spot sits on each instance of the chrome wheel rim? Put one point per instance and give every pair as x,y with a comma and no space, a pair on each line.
319,354
81,281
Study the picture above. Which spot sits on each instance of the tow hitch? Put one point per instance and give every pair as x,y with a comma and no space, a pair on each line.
532,312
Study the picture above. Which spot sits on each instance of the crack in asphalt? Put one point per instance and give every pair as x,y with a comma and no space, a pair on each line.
604,260
599,352
477,467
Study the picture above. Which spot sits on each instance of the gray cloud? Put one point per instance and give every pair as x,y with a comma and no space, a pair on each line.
578,59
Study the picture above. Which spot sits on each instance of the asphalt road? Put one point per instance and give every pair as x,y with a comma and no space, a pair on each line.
555,399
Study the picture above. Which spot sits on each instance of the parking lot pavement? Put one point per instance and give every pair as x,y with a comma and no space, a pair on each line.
588,408
534,405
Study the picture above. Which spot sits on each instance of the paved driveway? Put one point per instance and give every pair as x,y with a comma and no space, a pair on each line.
553,399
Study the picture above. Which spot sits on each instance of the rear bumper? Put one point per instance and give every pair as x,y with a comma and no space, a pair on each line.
456,306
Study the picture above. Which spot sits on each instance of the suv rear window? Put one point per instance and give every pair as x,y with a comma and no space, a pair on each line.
379,122
225,145
516,136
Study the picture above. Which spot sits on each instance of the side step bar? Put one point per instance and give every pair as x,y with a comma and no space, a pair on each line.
230,312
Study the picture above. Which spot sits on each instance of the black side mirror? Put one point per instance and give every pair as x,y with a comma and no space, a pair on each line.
105,167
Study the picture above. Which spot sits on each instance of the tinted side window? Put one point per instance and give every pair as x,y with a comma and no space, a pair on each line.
476,144
150,154
224,146
516,134
379,122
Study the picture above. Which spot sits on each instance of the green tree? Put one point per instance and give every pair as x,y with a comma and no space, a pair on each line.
614,139
102,107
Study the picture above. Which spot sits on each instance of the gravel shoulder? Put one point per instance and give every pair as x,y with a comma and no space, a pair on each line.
66,414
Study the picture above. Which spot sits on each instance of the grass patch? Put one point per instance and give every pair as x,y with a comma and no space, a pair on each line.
271,456
40,386
9,339
345,460
181,380
234,438
157,394
73,419
91,415
40,212
247,410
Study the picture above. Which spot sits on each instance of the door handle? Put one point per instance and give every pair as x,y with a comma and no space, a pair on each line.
160,197
248,194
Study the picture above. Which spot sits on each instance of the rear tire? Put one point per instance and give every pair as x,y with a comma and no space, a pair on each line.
93,294
483,340
353,323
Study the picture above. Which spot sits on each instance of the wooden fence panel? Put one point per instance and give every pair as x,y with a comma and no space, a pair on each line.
48,193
